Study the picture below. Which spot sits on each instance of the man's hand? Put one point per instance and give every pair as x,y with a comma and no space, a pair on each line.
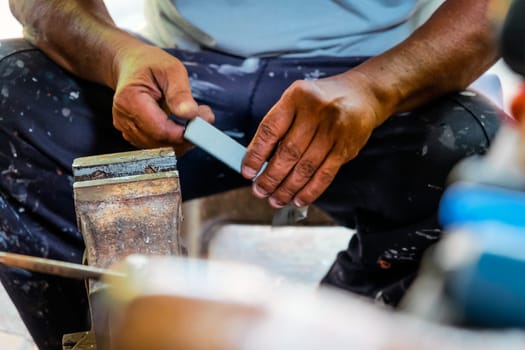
152,84
315,128
319,125
149,83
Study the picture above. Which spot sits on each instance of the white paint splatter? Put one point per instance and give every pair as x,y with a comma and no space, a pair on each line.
73,95
447,138
316,74
189,63
424,151
199,87
13,150
5,91
66,112
249,65
428,234
20,63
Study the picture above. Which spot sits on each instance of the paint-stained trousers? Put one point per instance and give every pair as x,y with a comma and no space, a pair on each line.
389,193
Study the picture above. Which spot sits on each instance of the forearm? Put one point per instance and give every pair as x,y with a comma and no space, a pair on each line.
446,54
79,35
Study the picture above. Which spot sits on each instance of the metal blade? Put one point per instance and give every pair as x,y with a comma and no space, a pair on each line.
55,267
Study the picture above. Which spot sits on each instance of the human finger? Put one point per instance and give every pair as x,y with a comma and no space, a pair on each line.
270,131
303,171
288,152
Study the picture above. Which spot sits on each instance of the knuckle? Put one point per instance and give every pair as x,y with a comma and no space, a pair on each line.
301,87
268,182
346,154
286,193
116,124
271,180
122,97
310,194
289,152
326,176
306,169
253,155
128,138
333,112
267,132
161,135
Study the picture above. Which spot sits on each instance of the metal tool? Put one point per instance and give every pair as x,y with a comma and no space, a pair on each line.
128,203
56,267
231,153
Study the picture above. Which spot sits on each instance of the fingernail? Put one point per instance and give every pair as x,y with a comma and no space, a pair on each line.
249,172
298,203
259,192
276,203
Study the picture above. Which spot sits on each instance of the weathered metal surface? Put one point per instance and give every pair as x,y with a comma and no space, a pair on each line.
55,267
124,164
128,203
79,341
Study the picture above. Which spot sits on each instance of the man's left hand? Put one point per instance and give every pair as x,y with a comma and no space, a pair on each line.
315,128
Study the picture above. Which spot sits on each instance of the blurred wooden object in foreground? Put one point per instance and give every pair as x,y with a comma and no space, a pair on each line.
181,303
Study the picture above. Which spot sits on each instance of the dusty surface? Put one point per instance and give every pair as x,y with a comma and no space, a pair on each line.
13,334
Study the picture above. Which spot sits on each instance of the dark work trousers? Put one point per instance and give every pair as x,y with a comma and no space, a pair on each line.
389,193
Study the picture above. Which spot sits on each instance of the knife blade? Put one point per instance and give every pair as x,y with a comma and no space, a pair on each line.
230,152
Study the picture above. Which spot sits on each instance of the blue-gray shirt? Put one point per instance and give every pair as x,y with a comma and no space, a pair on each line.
292,28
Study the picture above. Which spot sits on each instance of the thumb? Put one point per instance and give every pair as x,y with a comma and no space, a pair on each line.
181,103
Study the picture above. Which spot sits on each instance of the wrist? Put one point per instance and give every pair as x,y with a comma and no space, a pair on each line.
383,97
118,46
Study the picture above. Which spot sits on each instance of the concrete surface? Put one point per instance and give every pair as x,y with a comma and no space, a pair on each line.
13,333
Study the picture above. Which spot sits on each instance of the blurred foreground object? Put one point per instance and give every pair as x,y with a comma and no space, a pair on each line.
474,276
181,303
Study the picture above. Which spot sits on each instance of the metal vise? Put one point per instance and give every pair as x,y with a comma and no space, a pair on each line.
126,203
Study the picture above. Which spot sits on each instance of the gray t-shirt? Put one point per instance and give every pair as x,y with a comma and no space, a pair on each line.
290,28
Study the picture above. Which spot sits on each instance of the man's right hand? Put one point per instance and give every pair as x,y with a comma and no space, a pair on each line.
150,85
